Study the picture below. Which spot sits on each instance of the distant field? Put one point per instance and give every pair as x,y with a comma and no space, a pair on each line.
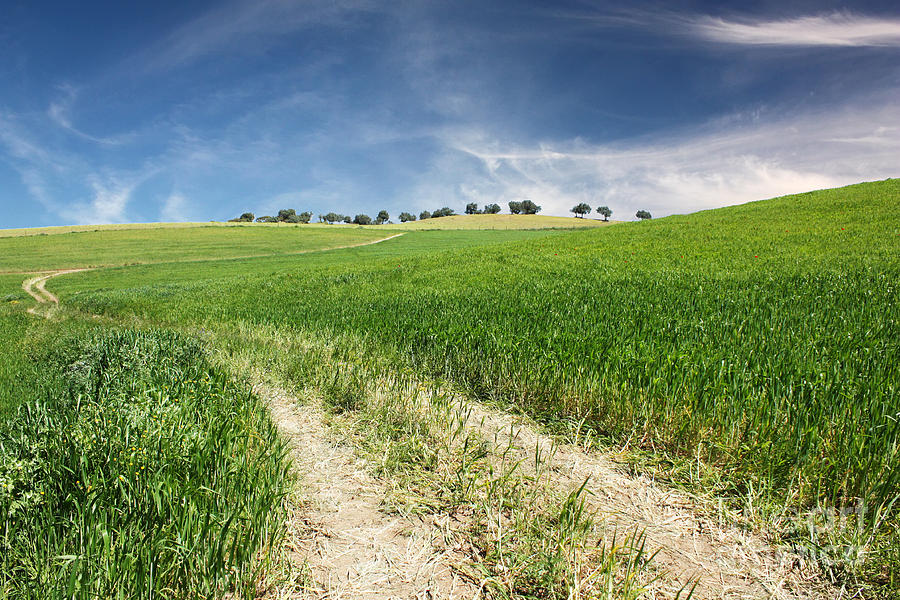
396,251
454,222
139,226
499,222
118,246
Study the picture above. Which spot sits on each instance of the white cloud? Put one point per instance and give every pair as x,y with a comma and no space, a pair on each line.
108,205
821,30
843,29
725,163
60,180
174,208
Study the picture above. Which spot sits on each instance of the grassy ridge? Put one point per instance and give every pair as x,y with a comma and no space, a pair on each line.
498,222
762,338
141,469
454,222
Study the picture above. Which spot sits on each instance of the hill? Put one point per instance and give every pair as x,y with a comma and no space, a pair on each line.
748,354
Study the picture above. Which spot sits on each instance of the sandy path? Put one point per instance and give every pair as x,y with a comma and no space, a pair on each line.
37,290
727,563
350,546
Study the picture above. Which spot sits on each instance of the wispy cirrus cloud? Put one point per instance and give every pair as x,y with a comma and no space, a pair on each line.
65,183
60,112
837,29
246,26
727,162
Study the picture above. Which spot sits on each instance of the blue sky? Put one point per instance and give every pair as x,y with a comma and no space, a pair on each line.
193,110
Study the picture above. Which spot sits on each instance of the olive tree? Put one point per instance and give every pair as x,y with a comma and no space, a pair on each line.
580,210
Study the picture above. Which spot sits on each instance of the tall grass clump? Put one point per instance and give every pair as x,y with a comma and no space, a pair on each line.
144,472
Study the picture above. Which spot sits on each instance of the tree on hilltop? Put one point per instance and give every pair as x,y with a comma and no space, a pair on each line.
266,219
530,208
491,209
285,213
604,210
362,220
405,216
442,212
244,218
580,209
643,215
382,217
305,216
424,215
515,207
472,208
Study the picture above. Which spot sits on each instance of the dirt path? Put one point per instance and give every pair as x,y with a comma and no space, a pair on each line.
37,290
352,548
726,563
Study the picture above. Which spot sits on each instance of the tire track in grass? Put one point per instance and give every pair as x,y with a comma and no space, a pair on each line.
725,562
35,287
346,544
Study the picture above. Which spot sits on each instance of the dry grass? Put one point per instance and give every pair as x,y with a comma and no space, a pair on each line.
454,222
500,222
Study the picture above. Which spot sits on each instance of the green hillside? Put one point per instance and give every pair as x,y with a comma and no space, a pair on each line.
750,352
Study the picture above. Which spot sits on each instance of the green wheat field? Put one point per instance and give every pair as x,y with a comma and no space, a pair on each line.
748,355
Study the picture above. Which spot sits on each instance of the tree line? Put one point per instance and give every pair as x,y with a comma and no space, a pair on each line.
516,207
582,209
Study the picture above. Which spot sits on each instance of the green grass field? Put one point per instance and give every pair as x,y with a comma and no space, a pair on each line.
44,231
135,246
749,353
